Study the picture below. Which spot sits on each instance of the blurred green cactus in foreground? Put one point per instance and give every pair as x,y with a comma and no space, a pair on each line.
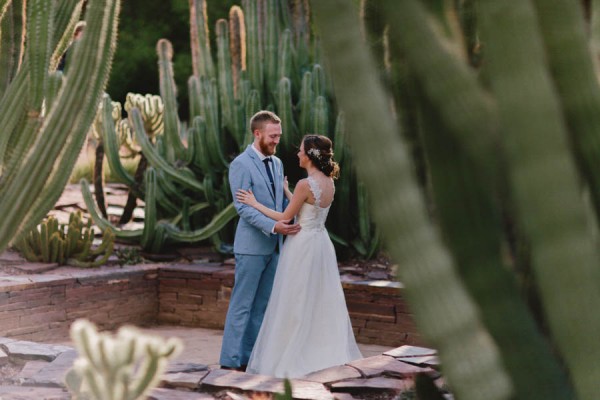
500,102
46,115
124,366
70,243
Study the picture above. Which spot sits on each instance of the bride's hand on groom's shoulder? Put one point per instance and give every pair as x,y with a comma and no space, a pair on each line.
286,228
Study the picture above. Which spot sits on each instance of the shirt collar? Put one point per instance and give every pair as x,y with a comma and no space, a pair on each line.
260,155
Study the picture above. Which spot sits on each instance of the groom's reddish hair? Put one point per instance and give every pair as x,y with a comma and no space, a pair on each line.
259,119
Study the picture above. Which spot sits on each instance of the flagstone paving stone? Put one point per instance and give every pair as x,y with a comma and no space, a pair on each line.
377,377
34,268
425,361
185,380
3,357
176,367
32,393
34,351
380,365
29,369
379,383
344,396
300,389
333,374
170,394
53,374
410,351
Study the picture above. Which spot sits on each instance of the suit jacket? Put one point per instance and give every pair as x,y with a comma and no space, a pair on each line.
253,234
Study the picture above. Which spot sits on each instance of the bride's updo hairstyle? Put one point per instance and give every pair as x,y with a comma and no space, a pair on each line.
319,150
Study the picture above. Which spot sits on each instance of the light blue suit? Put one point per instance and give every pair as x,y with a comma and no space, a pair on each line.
256,254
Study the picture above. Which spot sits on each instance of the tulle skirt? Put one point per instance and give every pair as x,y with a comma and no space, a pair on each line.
306,326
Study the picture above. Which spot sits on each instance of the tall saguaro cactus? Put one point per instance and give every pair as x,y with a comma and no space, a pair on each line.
45,115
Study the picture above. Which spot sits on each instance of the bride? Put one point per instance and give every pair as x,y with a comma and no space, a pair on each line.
306,326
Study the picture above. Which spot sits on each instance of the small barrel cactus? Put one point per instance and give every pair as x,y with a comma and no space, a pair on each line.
70,243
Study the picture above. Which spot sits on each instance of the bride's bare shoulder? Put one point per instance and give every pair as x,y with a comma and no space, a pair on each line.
302,186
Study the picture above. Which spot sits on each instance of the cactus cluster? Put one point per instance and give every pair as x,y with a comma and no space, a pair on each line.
266,58
46,115
125,366
70,243
178,206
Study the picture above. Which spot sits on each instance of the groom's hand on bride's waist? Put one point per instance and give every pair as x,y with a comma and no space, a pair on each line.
285,228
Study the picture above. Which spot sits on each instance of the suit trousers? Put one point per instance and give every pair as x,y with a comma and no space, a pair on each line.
254,275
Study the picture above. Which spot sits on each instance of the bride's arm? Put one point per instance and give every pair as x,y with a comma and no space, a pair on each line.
298,197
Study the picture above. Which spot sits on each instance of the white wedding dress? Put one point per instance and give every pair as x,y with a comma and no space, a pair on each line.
306,326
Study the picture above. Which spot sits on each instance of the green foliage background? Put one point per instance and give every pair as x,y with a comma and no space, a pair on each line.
142,24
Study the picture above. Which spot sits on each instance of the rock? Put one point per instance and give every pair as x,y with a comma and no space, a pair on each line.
53,374
170,394
379,384
186,380
34,351
301,389
176,367
29,370
333,374
410,351
380,365
377,275
30,393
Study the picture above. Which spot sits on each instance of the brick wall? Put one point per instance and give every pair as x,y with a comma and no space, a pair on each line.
379,314
42,307
199,295
192,295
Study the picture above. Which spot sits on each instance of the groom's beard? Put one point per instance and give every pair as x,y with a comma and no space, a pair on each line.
266,149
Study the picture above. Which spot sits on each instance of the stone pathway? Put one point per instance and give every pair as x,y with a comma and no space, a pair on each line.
36,371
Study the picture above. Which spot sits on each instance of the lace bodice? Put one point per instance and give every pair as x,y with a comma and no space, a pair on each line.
313,216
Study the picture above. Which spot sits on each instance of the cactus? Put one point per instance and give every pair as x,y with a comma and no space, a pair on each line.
126,366
70,243
517,135
282,75
45,116
258,66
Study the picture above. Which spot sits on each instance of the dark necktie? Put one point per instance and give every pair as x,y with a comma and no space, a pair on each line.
267,161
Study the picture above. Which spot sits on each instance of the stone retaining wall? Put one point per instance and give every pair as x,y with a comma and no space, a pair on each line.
41,307
199,296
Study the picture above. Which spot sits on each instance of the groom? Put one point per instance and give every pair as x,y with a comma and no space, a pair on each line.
257,239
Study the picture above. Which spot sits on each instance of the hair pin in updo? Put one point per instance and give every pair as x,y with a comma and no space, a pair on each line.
314,152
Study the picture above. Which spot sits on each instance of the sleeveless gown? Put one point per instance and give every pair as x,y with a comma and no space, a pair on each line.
306,326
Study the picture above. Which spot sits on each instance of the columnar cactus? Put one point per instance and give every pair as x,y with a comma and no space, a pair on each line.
259,65
282,72
45,115
517,137
124,366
